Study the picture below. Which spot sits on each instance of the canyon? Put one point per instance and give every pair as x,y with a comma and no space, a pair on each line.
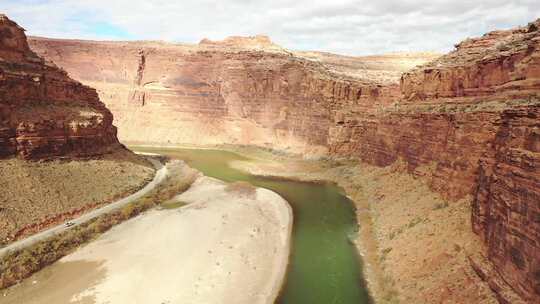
467,123
59,153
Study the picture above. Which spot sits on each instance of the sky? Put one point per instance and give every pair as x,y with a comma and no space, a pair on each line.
350,27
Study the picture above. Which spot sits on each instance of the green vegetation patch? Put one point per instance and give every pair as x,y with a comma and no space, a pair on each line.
172,204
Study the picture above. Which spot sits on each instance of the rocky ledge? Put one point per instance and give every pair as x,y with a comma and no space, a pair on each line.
469,121
240,90
500,61
43,112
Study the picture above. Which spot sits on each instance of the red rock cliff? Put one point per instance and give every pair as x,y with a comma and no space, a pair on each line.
473,117
44,113
496,63
172,93
449,115
498,73
506,208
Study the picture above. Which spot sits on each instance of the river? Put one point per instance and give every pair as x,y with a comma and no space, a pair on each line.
324,267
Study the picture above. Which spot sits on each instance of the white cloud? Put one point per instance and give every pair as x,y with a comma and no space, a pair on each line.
340,26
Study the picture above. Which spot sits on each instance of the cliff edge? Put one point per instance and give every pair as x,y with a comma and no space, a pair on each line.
43,112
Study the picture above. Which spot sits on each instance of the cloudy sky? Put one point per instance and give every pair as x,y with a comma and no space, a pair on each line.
354,27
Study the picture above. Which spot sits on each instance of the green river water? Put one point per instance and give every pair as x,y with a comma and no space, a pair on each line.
324,266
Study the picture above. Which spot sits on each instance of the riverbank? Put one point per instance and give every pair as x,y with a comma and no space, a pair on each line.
23,258
324,223
229,244
414,244
37,195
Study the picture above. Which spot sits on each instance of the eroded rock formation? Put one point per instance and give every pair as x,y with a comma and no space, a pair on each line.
43,112
470,116
242,91
506,208
498,62
499,73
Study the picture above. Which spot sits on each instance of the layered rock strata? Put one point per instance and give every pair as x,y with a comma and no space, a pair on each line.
470,117
43,112
506,208
250,93
499,75
498,62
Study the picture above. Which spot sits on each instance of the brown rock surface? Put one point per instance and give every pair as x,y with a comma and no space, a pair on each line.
259,42
506,208
44,113
472,116
241,90
385,69
500,61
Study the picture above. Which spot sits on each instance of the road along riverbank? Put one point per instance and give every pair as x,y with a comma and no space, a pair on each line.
160,174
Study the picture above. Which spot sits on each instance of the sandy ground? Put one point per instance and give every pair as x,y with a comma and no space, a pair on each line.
34,192
414,243
161,178
230,244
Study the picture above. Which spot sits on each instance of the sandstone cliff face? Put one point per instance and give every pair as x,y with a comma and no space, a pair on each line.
502,69
471,115
450,143
500,61
450,110
170,93
467,121
44,113
506,209
259,42
384,69
487,150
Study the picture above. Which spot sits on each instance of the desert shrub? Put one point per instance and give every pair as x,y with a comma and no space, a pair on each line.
128,210
415,221
172,204
395,233
390,294
440,205
384,253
